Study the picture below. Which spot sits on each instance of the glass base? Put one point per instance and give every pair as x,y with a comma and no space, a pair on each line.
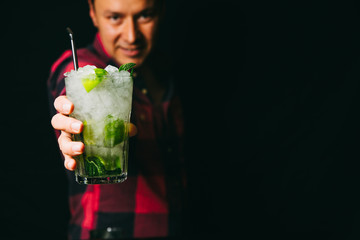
101,180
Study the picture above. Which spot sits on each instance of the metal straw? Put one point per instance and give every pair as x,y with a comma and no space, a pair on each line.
73,49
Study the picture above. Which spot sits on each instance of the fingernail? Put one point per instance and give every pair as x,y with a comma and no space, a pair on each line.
66,108
76,148
76,126
66,164
69,165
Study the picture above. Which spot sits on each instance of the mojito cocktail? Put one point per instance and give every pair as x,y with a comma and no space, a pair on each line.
102,101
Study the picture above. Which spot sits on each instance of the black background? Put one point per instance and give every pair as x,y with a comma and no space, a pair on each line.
271,98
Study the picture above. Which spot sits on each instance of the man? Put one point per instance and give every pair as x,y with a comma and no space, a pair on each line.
150,202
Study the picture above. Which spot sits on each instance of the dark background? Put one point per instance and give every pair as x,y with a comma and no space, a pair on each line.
271,99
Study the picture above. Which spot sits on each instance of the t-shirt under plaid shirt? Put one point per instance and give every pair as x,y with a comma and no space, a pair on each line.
150,202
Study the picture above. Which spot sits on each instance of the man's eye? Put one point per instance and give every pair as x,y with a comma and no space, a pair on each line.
146,16
114,18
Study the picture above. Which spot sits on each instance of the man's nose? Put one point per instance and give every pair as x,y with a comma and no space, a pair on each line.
130,31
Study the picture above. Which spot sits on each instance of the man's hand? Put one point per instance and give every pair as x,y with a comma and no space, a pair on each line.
68,126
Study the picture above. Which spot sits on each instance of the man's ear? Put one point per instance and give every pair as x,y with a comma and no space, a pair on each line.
92,13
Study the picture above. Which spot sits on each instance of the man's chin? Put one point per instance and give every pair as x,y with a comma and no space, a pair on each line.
122,61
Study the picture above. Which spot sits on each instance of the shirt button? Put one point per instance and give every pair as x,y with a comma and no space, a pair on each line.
144,91
142,117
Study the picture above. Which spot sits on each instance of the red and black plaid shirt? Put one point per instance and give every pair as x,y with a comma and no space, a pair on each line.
150,202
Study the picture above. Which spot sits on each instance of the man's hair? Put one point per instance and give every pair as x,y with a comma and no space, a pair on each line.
159,3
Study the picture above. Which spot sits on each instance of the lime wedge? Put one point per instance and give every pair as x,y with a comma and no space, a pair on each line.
88,134
92,81
114,131
118,163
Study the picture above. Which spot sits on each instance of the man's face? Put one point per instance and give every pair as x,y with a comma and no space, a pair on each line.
127,28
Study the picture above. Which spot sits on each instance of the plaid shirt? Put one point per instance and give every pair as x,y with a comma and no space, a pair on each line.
150,202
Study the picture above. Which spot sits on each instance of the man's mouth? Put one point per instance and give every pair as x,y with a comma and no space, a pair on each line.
130,51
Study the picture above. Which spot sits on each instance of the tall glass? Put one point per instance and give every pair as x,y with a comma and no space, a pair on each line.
102,101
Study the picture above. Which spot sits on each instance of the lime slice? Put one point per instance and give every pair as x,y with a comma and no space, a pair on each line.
92,80
88,134
114,131
112,163
118,163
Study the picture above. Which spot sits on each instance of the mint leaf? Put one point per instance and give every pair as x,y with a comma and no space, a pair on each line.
126,67
94,166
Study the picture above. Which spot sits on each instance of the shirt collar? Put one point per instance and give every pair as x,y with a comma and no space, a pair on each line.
100,49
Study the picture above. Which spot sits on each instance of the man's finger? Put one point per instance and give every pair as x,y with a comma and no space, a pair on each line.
69,163
63,105
67,124
68,147
132,130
